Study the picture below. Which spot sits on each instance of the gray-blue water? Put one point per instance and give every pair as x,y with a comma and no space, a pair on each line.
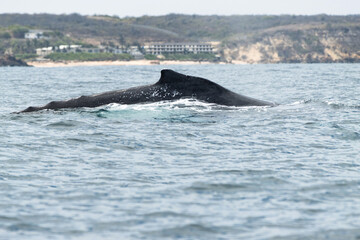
183,169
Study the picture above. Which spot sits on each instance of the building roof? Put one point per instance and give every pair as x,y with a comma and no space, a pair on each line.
182,43
36,31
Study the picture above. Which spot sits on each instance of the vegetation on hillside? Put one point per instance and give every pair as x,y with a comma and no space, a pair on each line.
26,56
88,57
12,37
172,27
262,38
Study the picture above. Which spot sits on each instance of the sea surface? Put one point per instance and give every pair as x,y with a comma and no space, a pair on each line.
183,169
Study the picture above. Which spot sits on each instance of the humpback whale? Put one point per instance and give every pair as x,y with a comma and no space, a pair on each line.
171,86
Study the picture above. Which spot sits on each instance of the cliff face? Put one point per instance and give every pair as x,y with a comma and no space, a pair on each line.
296,44
11,61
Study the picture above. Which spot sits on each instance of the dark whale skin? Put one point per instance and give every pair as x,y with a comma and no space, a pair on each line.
171,86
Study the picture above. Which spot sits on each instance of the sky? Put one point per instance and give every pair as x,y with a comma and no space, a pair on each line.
124,8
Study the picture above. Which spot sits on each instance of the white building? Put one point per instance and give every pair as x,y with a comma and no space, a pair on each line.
117,51
112,50
44,51
160,48
69,48
135,52
35,34
90,50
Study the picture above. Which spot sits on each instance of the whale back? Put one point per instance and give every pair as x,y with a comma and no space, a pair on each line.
205,90
171,86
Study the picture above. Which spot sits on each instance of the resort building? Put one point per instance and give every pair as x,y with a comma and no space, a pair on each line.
135,52
44,51
132,50
35,34
62,48
70,48
160,48
90,50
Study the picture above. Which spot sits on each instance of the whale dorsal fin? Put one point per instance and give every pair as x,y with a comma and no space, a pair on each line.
170,76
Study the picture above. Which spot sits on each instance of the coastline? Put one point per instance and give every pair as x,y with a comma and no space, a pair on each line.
114,63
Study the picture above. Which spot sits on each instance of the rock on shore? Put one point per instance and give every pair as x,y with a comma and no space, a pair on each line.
11,61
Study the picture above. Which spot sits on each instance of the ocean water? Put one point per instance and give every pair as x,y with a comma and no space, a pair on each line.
183,169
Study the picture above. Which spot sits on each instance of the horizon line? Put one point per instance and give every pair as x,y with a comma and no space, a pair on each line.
184,14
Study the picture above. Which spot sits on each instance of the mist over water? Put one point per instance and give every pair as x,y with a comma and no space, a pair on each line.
182,169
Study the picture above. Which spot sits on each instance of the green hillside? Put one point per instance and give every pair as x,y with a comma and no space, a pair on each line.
283,38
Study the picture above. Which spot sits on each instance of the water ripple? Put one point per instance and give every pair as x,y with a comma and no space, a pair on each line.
182,169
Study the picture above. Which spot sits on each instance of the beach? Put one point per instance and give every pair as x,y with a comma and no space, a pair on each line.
113,63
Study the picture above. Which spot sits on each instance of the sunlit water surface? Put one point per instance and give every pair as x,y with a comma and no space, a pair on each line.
182,169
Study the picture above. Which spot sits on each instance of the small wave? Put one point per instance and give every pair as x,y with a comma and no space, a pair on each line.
101,113
167,214
300,102
77,140
345,134
332,104
344,184
180,104
27,227
8,219
178,111
189,230
328,234
242,172
218,187
190,104
338,105
65,123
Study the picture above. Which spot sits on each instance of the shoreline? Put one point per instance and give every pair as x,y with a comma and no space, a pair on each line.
49,64
115,63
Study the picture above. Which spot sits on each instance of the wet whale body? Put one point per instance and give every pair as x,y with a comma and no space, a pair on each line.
171,86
